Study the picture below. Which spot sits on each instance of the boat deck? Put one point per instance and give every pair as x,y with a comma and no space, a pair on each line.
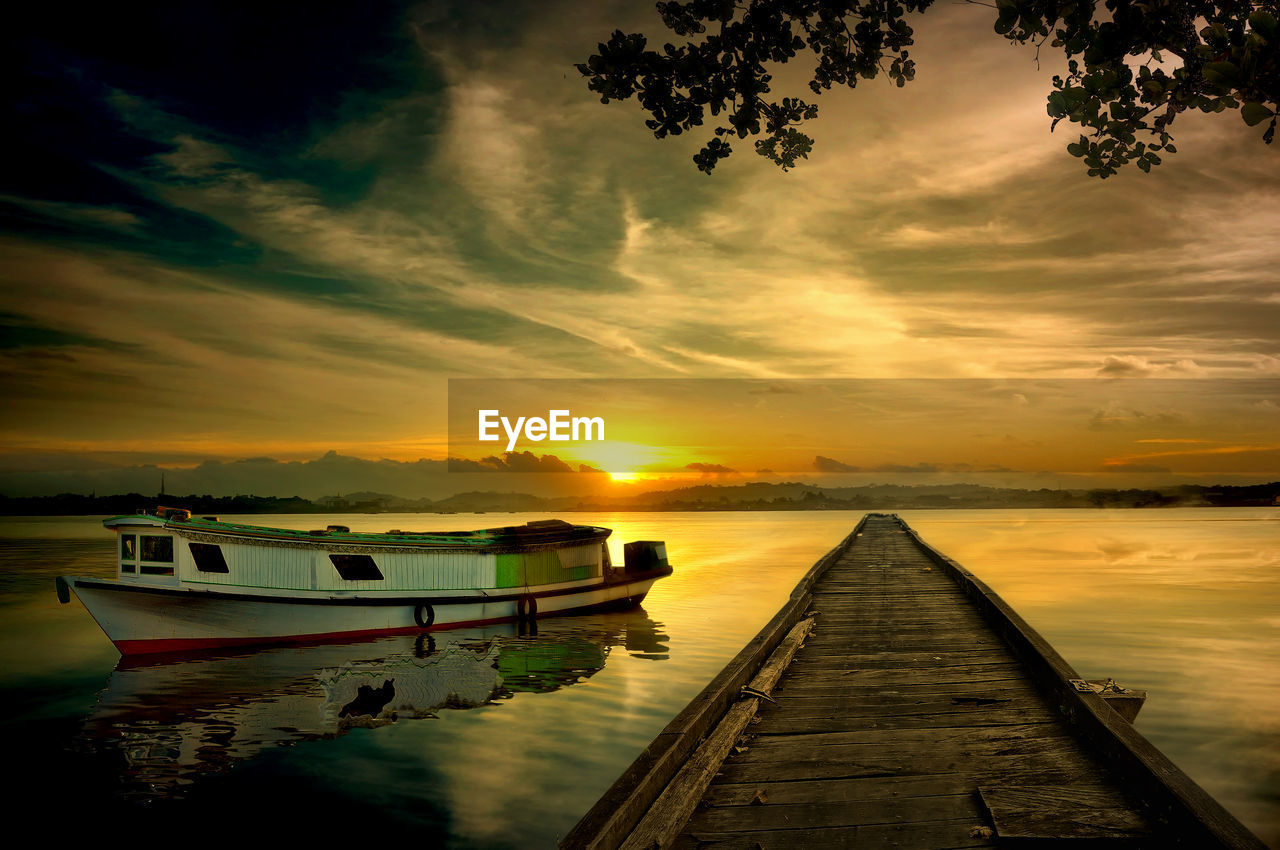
921,712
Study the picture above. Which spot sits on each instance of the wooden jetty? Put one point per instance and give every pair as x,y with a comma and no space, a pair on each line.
896,701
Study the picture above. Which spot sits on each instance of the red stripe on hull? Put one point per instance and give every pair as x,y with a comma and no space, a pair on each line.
178,645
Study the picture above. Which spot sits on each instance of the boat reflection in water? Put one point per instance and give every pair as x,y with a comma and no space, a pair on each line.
172,720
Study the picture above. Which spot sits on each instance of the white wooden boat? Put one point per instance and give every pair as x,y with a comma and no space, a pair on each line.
185,583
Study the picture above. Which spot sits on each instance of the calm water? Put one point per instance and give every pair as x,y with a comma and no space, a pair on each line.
1184,603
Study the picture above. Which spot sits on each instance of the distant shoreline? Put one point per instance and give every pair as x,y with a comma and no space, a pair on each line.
709,497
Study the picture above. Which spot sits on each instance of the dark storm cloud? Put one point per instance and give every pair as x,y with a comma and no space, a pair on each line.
525,461
264,77
827,464
18,333
710,468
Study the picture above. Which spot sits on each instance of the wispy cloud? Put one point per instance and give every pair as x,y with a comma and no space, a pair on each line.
73,213
1127,365
1199,452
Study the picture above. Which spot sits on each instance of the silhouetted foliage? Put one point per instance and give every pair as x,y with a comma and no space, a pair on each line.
1132,67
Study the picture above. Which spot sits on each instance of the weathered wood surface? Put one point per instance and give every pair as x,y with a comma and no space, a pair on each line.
917,688
1053,813
662,822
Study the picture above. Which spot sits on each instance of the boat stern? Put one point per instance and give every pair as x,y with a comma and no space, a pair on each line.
646,556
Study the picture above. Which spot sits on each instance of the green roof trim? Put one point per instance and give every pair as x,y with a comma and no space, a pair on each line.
479,538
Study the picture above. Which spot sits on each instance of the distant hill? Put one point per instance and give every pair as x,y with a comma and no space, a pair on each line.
704,497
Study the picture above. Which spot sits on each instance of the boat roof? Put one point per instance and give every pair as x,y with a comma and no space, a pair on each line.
538,531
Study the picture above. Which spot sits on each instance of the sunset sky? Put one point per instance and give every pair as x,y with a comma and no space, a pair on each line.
230,236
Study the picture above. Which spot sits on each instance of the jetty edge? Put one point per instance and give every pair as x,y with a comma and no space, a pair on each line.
1027,755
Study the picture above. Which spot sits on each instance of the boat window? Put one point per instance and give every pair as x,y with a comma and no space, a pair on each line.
157,548
149,570
129,547
126,567
356,567
208,557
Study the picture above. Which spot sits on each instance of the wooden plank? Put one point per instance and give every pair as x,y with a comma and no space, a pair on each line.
922,721
887,810
836,597
949,630
875,633
836,665
943,675
924,835
856,625
919,644
850,688
903,660
929,756
888,705
837,790
906,737
861,620
873,592
821,642
836,677
918,641
1036,766
964,779
843,686
765,680
1053,813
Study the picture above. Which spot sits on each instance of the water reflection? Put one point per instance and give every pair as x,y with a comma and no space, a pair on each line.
170,720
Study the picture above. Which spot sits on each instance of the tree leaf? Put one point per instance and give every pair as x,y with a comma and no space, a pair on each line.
1221,72
1264,23
1255,113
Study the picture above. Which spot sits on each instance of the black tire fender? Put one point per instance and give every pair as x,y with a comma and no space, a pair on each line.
424,615
526,608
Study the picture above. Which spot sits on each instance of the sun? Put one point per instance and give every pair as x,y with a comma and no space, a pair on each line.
623,461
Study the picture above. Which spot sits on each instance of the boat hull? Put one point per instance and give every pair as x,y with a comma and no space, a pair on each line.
141,619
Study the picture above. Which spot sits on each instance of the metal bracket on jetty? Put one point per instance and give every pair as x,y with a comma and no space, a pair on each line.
896,700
